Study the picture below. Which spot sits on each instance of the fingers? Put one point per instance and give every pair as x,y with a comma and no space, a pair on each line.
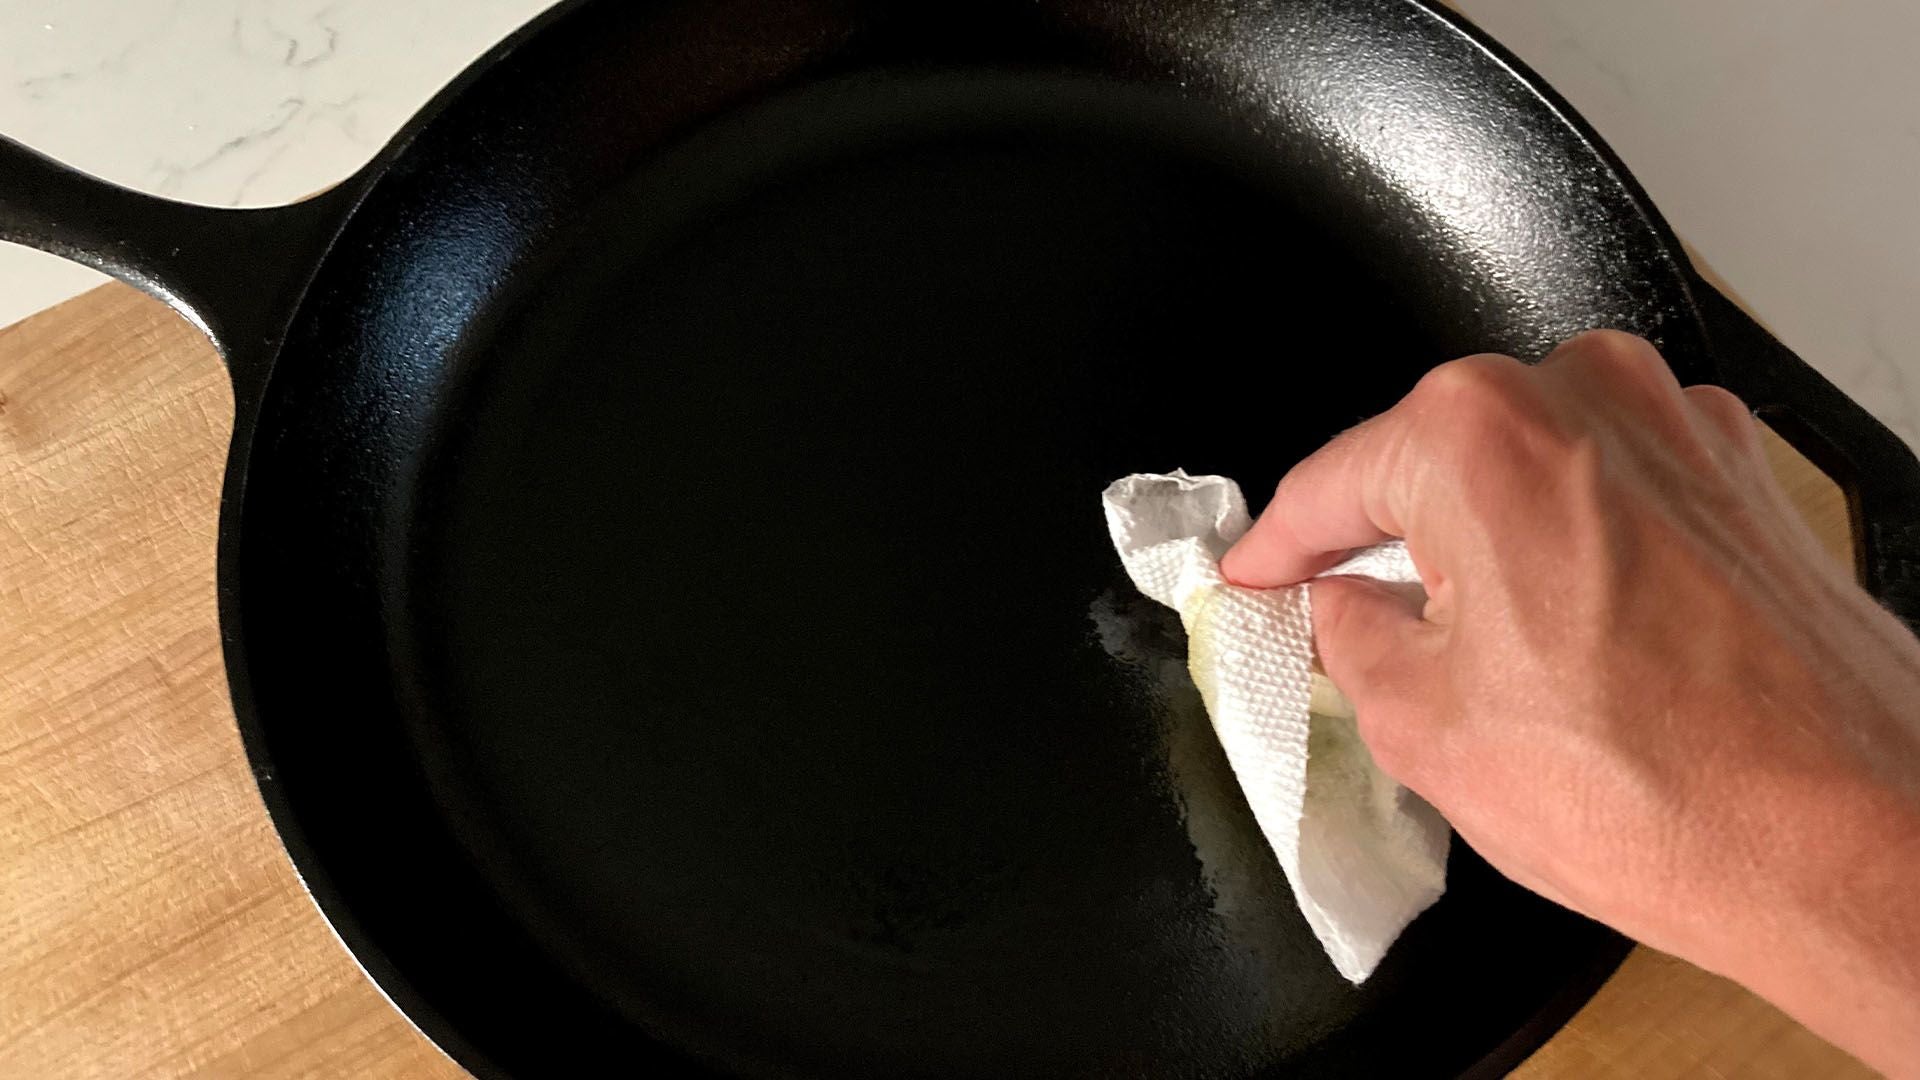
1723,412
1624,371
1361,488
1613,357
1482,424
1620,365
1383,657
1359,626
1318,514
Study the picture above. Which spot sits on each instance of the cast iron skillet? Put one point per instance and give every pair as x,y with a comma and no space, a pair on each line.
664,593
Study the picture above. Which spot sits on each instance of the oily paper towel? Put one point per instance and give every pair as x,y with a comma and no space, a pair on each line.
1364,855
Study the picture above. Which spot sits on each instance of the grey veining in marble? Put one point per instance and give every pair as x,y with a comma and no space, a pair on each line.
224,102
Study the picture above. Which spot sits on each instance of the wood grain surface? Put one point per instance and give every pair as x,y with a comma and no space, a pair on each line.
150,925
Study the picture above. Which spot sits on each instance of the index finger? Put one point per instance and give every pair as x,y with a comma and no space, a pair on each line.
1358,489
1322,509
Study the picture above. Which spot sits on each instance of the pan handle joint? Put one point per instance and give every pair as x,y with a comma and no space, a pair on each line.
236,274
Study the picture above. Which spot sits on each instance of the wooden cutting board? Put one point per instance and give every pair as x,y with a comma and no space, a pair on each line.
150,925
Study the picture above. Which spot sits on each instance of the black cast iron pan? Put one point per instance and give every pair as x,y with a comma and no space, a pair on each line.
664,594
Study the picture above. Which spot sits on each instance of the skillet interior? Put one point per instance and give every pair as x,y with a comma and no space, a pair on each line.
673,597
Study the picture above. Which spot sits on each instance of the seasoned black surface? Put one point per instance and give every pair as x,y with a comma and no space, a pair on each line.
664,600
675,595
778,639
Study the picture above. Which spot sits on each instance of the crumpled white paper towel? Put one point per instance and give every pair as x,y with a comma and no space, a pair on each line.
1364,855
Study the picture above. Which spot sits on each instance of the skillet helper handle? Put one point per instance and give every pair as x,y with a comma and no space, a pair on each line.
1874,467
235,274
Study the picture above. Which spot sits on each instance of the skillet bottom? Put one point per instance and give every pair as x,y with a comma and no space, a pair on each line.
783,683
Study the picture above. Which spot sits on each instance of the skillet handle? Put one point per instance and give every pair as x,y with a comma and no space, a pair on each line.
235,274
1873,466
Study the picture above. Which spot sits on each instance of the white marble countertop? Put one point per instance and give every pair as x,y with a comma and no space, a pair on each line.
1781,138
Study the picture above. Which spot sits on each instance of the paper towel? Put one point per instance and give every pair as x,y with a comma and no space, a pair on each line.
1363,854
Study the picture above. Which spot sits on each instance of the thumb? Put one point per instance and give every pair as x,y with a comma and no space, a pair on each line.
1381,654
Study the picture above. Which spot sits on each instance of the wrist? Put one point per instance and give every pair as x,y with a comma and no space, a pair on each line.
1833,936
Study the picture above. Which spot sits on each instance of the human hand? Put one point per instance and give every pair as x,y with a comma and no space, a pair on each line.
1638,686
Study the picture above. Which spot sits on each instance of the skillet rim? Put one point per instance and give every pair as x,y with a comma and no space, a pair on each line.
338,908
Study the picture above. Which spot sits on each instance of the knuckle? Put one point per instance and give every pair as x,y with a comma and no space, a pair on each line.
1485,410
1719,398
1473,392
1725,410
1618,352
1469,379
